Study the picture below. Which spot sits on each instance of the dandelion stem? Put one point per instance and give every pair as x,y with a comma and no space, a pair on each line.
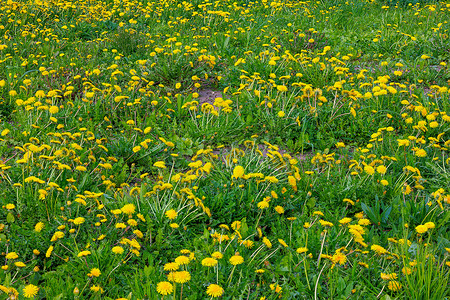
306,273
321,248
231,274
87,283
317,283
381,291
290,234
257,222
217,274
174,290
349,242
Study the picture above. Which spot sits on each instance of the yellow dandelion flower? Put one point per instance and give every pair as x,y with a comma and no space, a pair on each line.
214,290
236,260
282,88
430,225
363,264
182,260
78,221
30,291
364,222
369,170
84,253
345,221
391,276
49,251
117,250
181,276
301,250
349,201
384,182
359,215
160,164
420,153
20,264
276,287
96,288
394,285
209,262
12,255
282,242
238,172
172,266
339,258
164,288
267,242
380,250
263,204
121,226
39,226
171,214
116,212
248,244
95,272
5,132
279,209
136,149
236,225
132,222
53,109
217,255
128,209
57,235
406,270
325,223
421,229
381,169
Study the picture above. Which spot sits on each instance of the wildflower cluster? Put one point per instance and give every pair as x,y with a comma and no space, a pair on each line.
257,150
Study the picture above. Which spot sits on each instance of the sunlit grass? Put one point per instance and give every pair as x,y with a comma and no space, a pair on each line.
320,170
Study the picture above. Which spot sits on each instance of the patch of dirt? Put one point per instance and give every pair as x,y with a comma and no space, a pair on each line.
223,152
208,96
437,68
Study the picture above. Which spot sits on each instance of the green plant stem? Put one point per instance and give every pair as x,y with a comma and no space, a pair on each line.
231,274
321,248
317,282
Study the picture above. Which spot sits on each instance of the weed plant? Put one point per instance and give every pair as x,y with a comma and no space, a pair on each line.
319,172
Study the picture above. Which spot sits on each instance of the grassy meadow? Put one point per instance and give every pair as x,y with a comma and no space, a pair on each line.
224,149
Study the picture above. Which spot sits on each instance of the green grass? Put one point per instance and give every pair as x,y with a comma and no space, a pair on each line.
323,165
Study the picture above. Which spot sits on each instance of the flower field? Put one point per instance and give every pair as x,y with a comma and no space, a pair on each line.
224,149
